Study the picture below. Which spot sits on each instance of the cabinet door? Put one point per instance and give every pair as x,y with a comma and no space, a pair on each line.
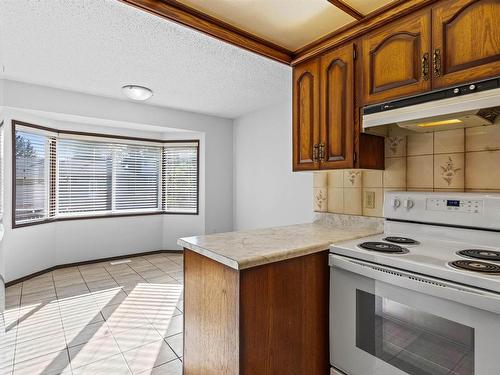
306,116
337,101
466,41
396,59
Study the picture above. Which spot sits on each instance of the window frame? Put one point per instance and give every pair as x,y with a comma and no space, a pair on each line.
106,214
165,186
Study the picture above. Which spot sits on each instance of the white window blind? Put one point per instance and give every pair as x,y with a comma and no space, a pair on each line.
180,178
62,175
137,177
84,176
31,177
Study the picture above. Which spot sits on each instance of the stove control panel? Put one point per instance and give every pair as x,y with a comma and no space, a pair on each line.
473,206
478,210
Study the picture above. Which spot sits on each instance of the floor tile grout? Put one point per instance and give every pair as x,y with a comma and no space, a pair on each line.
62,325
17,323
93,294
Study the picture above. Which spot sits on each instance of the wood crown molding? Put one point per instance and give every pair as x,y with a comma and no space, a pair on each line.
175,11
343,6
377,18
187,16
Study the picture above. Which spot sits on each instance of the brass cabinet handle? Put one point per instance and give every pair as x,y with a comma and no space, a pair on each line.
425,66
321,152
436,62
315,152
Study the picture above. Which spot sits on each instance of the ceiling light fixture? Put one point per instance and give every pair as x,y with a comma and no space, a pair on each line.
135,92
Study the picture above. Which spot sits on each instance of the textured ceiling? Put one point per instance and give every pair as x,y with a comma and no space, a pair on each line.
287,23
97,46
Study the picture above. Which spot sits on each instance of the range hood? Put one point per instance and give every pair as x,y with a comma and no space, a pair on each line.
471,105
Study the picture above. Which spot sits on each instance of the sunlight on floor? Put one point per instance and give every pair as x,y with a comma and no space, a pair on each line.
96,319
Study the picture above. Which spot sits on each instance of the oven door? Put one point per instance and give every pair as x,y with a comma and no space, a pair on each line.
391,322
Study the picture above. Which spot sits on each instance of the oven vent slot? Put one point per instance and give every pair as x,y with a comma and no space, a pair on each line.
412,277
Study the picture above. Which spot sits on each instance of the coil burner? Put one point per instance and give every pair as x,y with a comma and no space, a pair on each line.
477,266
401,240
383,247
480,254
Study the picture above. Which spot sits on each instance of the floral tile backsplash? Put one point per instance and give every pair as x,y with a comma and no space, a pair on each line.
453,160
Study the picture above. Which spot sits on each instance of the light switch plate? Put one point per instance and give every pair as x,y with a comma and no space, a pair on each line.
369,201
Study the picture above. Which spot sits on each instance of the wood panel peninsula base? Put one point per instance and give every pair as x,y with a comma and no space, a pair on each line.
270,319
256,301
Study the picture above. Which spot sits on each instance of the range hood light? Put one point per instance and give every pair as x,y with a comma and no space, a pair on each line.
135,92
438,123
437,110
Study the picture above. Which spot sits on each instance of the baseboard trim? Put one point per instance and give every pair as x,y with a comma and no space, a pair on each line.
334,371
50,269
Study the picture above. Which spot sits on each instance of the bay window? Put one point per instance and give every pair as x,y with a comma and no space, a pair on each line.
180,176
31,176
84,177
137,177
60,175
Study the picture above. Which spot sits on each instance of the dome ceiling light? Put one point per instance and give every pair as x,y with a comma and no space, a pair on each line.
136,92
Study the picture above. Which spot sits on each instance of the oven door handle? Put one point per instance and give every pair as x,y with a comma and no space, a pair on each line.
464,295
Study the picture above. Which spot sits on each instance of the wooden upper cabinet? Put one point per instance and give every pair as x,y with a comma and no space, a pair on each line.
325,135
337,101
396,59
306,116
465,41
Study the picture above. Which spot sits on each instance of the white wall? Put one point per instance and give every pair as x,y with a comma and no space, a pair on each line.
266,192
29,249
256,187
38,247
218,133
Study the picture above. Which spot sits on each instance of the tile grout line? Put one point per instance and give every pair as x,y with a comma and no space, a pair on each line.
116,281
105,321
433,161
17,326
465,159
406,163
62,324
165,338
39,356
66,348
102,316
112,335
92,292
99,307
137,273
166,273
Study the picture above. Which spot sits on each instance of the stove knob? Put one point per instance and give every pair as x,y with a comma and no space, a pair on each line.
408,203
395,202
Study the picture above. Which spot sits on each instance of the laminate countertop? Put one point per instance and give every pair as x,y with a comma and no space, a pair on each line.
251,248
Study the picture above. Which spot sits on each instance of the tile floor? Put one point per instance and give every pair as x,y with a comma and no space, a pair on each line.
103,318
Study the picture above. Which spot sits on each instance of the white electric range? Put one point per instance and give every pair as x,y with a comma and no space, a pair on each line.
423,298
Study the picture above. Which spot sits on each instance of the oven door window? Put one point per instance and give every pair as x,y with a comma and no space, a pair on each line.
413,341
